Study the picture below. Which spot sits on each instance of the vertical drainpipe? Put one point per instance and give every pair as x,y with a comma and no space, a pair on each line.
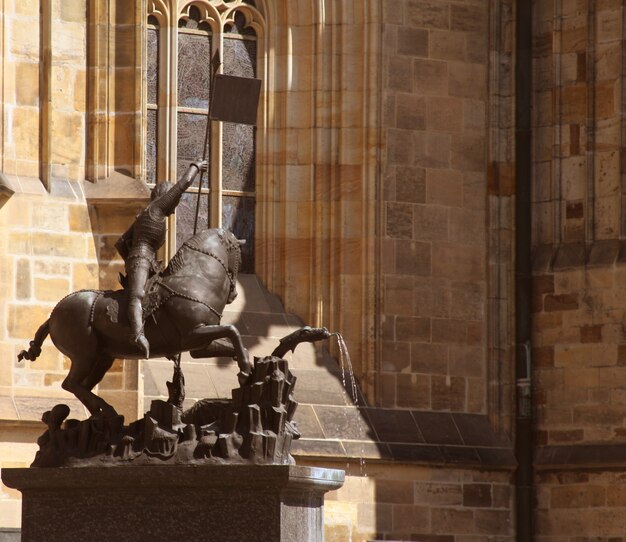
523,271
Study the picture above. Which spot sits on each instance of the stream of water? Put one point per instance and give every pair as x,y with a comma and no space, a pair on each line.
349,384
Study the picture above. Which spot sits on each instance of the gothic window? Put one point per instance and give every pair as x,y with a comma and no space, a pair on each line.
178,129
152,84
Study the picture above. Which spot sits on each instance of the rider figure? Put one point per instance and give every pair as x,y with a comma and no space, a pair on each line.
139,244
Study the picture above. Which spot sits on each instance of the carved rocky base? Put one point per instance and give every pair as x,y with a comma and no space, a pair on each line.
255,426
225,503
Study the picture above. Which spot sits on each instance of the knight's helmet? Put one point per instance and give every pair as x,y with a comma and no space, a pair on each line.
160,189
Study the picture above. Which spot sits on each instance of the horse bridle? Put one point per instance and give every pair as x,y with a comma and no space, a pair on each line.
230,246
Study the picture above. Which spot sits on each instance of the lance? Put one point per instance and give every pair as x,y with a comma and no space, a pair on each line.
216,62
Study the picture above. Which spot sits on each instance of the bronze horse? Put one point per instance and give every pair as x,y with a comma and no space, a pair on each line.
91,328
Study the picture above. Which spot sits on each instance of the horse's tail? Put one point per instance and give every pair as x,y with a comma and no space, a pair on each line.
35,345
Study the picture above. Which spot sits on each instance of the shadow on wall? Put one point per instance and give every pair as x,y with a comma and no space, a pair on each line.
113,205
339,429
262,321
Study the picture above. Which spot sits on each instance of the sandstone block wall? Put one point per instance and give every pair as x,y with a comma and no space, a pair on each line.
385,502
360,129
433,285
53,247
579,355
578,293
47,255
578,505
17,449
318,167
50,245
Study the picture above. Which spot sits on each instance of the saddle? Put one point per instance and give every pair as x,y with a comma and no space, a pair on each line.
154,297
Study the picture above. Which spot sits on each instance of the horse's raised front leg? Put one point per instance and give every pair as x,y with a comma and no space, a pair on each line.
201,336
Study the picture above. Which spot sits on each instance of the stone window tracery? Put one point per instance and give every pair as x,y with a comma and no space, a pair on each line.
184,43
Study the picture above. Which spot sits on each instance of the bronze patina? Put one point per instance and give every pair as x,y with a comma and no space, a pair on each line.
138,246
166,312
182,310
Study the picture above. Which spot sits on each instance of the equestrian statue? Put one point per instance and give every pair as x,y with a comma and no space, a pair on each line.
138,247
160,312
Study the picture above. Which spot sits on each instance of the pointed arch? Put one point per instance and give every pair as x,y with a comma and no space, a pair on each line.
253,18
159,10
208,13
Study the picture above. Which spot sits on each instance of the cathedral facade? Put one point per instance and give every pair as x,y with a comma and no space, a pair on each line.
438,180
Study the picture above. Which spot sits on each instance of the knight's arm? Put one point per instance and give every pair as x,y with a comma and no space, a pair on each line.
122,245
168,201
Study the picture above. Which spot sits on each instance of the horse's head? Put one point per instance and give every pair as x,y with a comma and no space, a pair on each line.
233,250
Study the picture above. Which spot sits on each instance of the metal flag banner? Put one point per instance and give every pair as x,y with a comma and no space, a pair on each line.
235,99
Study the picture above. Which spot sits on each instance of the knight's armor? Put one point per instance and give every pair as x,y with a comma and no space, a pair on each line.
139,245
148,233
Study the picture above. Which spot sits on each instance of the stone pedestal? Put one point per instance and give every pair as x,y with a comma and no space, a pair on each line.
273,503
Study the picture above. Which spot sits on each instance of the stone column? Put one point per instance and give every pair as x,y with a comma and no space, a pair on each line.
210,502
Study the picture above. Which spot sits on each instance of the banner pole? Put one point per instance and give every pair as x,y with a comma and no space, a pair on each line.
215,64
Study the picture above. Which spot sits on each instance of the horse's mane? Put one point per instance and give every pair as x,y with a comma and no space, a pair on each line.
198,242
176,263
178,260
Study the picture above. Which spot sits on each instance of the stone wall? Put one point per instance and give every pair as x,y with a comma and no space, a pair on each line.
370,119
445,251
17,448
578,296
433,255
577,505
25,130
51,243
318,167
579,355
49,252
50,246
399,502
